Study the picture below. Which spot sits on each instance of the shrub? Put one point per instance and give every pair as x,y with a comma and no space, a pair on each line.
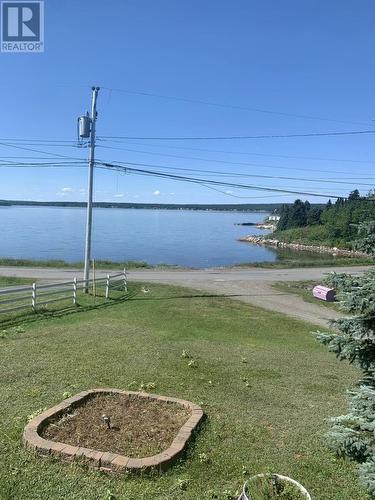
353,434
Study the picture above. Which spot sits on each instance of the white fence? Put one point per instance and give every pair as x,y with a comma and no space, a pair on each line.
36,295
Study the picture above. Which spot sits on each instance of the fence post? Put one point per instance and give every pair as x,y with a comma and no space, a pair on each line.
107,285
93,278
33,296
125,281
75,291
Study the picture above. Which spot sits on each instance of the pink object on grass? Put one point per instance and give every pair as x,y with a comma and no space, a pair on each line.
324,293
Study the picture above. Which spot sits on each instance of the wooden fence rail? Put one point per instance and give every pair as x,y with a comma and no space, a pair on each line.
36,295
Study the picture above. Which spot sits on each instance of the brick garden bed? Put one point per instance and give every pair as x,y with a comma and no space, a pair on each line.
145,432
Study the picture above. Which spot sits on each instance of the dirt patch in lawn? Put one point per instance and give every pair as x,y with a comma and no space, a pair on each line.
139,426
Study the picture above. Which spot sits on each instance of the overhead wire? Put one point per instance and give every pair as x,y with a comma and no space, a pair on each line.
230,106
7,139
210,150
225,162
240,137
55,155
213,182
237,174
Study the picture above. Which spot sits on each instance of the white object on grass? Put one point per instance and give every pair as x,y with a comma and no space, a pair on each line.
287,479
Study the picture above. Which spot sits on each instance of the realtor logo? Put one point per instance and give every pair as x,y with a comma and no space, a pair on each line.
22,26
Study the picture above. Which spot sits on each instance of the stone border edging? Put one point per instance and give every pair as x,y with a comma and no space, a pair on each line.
106,461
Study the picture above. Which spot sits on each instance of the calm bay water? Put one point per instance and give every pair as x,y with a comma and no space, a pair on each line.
182,237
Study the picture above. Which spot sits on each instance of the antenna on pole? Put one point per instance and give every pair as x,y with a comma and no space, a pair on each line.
89,133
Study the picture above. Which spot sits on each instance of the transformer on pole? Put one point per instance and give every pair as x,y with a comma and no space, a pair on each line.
84,127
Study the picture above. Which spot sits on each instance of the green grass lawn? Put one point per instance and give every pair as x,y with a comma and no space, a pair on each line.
13,281
264,383
304,290
100,264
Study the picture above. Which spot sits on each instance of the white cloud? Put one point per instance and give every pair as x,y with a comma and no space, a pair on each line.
67,190
157,192
171,194
229,192
119,195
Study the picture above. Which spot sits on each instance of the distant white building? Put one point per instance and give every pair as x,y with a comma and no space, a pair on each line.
275,218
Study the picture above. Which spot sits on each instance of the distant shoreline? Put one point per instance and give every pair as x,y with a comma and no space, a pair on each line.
248,207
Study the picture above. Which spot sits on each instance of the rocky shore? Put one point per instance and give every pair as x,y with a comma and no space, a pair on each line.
257,240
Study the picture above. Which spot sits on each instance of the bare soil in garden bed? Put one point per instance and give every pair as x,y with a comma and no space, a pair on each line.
139,427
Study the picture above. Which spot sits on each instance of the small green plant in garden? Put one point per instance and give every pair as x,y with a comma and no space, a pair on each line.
5,333
222,495
269,487
182,484
245,472
36,413
185,354
203,458
109,495
19,329
67,395
147,386
192,364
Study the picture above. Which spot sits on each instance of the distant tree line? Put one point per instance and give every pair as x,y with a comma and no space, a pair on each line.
248,207
339,219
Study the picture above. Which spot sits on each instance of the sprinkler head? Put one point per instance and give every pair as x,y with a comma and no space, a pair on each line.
107,420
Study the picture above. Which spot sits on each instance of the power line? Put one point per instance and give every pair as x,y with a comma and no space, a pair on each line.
227,193
230,106
15,164
24,158
240,137
54,155
227,162
238,174
7,139
40,165
294,157
112,166
48,144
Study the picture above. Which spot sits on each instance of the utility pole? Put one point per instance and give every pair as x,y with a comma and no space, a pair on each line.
86,274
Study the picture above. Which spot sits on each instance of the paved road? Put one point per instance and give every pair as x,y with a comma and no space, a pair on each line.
251,285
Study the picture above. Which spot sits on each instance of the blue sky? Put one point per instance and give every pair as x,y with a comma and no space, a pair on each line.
310,58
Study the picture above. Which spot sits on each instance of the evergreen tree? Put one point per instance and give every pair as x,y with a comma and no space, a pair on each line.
313,216
354,195
284,218
366,243
353,434
298,214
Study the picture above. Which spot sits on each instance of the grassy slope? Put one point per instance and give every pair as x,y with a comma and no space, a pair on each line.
297,259
310,235
304,260
273,424
101,264
304,290
13,281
